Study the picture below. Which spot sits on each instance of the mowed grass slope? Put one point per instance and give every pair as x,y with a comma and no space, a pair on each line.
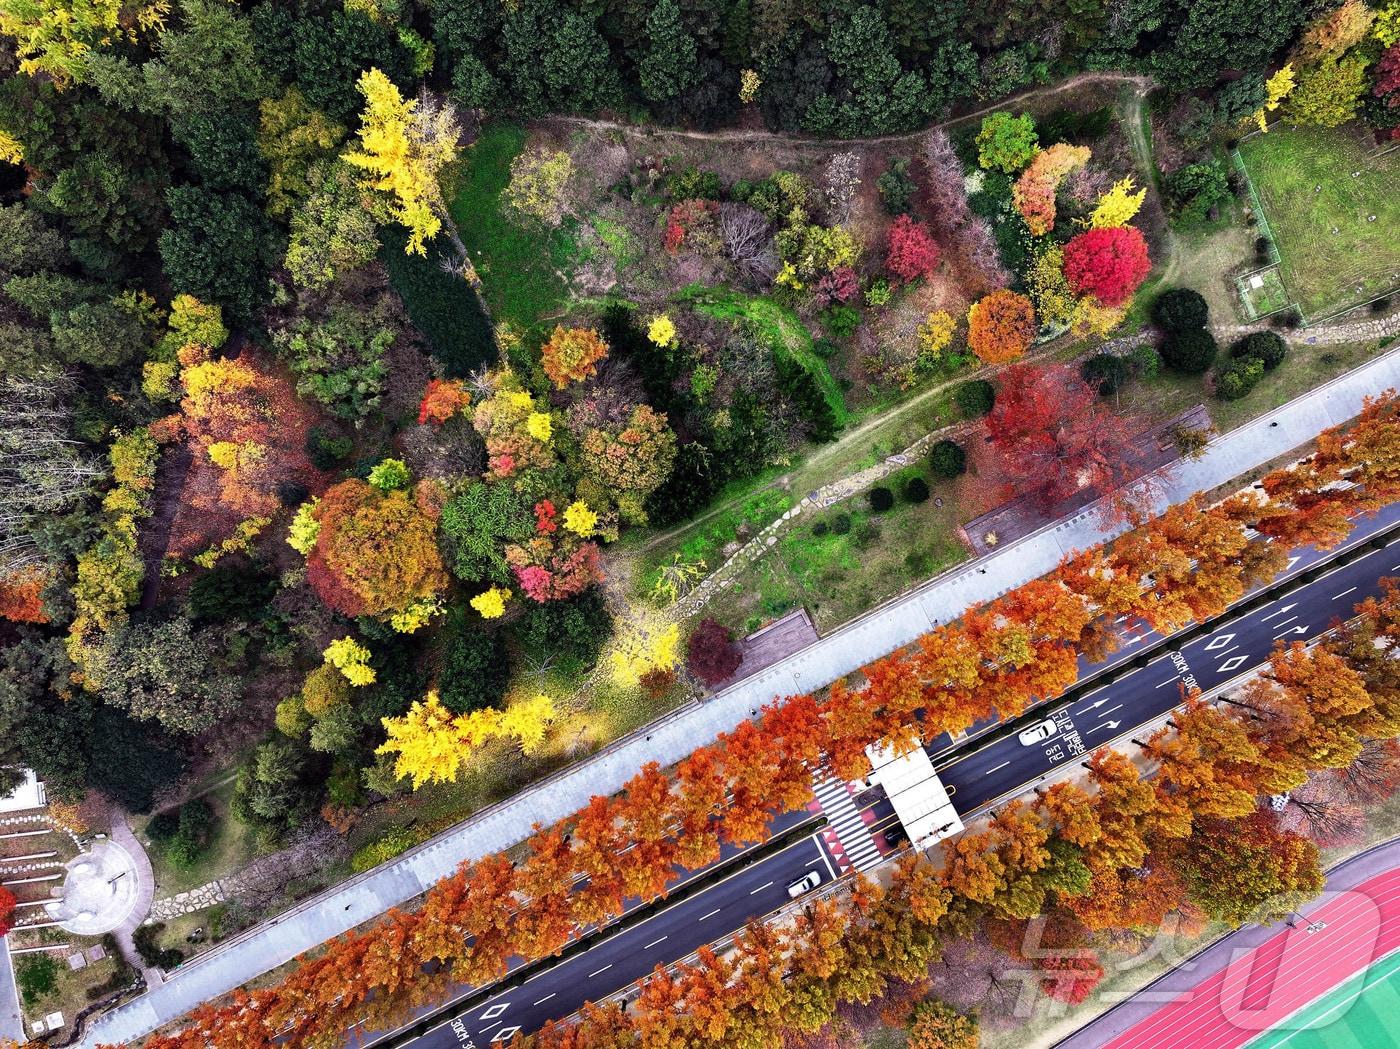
1324,270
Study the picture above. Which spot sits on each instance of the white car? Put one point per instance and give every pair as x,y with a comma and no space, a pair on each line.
805,884
1038,733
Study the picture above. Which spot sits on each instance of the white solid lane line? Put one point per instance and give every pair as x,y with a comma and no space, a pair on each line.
710,915
602,970
652,944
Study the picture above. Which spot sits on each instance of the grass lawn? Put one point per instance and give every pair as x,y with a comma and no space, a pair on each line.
1304,368
518,265
232,844
1324,270
1263,293
858,560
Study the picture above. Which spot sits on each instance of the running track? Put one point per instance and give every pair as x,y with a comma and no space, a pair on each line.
1268,983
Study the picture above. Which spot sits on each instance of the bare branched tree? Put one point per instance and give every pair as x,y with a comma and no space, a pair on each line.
43,468
747,242
840,180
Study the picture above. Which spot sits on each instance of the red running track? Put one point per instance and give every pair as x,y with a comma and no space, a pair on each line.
1264,985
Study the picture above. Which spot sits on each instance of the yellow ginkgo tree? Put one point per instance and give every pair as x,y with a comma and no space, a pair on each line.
404,145
431,744
55,37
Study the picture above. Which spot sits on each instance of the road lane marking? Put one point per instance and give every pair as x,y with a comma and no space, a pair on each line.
1106,724
602,970
494,1011
546,998
710,915
1280,612
765,885
505,1034
998,768
1169,681
652,944
812,863
1292,630
1285,622
1343,593
1110,710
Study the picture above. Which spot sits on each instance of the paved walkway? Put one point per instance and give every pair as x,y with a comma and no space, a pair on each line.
145,892
1249,980
878,632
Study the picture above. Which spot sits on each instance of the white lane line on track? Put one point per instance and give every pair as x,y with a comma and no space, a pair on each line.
1352,907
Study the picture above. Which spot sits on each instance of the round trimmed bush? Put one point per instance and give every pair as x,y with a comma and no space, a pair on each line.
1180,309
1267,347
841,524
915,490
975,398
1192,351
947,460
881,499
1106,372
1239,378
820,529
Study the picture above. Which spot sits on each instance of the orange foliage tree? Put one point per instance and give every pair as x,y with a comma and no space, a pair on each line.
21,594
572,355
472,923
1034,192
1000,326
376,552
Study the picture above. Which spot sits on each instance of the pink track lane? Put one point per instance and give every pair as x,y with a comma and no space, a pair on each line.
1284,973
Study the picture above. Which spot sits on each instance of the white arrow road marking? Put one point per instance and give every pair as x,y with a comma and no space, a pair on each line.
1280,612
998,768
1292,630
1291,562
1106,724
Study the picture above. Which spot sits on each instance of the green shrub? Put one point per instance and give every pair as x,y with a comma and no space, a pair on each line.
1180,309
442,306
475,670
881,499
915,490
840,322
573,629
147,941
695,184
1235,381
327,448
947,460
1192,351
1106,372
231,590
1196,188
820,529
868,533
1146,362
841,524
897,188
395,843
37,976
163,826
975,398
1267,347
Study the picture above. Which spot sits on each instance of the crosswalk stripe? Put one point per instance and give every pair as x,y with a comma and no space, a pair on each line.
857,850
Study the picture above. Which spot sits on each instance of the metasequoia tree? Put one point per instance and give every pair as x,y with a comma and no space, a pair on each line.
1034,192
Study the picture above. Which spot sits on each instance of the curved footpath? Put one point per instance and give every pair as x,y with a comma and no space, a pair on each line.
1251,980
892,625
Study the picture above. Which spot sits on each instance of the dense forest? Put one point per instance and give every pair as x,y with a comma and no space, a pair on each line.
251,432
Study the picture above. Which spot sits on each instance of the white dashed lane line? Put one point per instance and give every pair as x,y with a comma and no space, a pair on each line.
602,970
652,944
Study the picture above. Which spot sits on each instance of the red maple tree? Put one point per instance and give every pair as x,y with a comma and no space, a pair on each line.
912,252
1050,435
1108,264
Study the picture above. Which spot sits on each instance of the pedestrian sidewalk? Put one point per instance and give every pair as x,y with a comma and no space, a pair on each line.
877,633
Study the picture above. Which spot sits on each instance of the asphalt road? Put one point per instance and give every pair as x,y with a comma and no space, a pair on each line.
621,960
979,774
